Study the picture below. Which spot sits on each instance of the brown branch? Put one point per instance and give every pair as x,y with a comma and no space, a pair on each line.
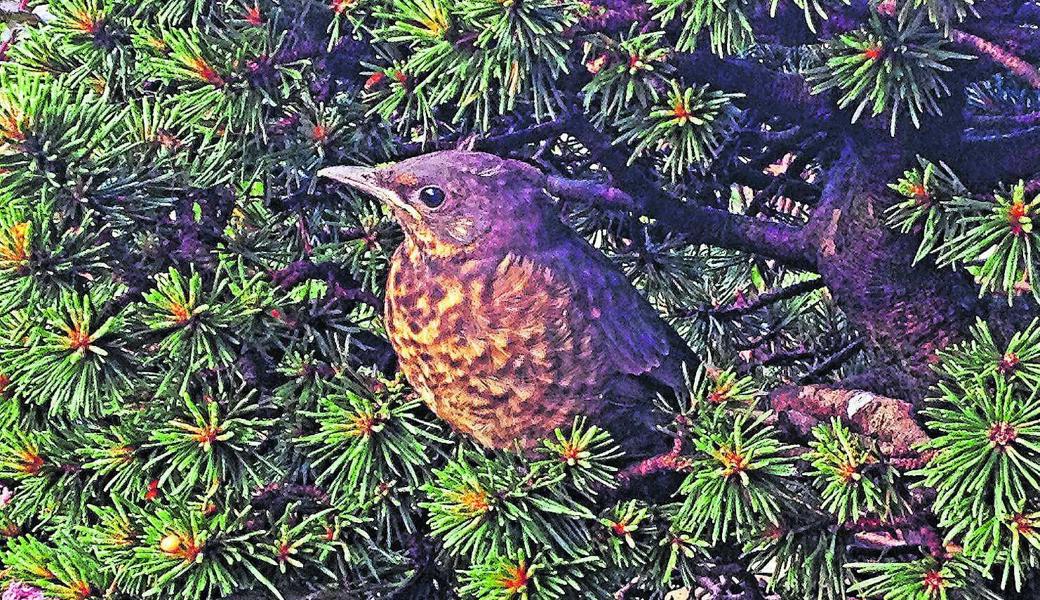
833,362
794,188
923,536
501,143
1013,34
511,140
774,332
623,591
888,421
17,12
1028,119
701,224
591,192
784,94
897,532
672,460
724,229
766,298
1024,70
780,359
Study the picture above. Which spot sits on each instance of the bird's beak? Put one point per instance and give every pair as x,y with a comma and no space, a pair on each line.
365,179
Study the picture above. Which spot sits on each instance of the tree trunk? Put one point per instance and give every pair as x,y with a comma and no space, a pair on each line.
905,313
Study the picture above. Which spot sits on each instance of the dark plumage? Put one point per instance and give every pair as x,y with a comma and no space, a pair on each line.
506,322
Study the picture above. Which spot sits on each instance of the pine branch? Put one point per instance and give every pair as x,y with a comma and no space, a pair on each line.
1028,119
897,532
511,140
999,55
342,284
701,224
1017,37
832,362
499,143
794,188
669,461
887,420
990,157
784,94
591,192
724,229
766,298
17,12
779,359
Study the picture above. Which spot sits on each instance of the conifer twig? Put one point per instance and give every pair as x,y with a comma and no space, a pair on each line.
701,224
769,297
1022,69
341,284
17,12
887,420
833,361
591,192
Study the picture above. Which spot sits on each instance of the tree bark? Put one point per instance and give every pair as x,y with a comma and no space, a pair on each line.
904,313
888,421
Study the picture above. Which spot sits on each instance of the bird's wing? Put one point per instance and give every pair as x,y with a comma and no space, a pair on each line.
637,341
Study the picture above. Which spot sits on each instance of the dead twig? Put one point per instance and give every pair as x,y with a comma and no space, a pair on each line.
672,460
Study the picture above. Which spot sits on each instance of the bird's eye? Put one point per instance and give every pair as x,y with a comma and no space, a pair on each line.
432,196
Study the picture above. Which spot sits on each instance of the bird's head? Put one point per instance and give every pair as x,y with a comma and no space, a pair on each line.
455,201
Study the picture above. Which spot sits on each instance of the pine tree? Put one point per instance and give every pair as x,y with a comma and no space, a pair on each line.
832,202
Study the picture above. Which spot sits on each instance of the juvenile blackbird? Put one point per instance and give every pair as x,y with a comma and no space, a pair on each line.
506,322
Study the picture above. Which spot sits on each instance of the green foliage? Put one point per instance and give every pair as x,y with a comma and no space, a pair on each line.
989,458
626,523
852,481
42,257
982,357
714,387
74,360
688,128
587,456
942,13
888,67
736,483
1010,541
727,22
34,461
991,237
479,506
926,578
198,328
501,578
985,460
810,560
206,445
512,53
373,450
62,571
997,233
627,71
927,193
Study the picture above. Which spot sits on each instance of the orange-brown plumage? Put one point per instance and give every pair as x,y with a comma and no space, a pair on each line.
505,321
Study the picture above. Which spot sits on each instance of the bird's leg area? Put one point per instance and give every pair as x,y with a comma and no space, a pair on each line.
673,460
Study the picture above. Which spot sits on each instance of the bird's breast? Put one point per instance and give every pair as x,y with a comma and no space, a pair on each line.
496,347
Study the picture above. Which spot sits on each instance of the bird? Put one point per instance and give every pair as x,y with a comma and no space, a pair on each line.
505,321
